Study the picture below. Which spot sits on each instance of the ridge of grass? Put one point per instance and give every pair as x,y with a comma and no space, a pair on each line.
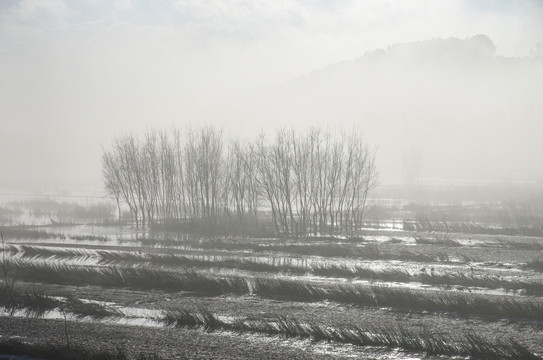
388,336
34,303
326,269
359,295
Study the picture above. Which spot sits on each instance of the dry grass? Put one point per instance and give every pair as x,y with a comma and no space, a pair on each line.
388,336
64,352
34,303
205,284
253,264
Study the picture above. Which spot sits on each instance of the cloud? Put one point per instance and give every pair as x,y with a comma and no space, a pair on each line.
45,15
124,4
503,6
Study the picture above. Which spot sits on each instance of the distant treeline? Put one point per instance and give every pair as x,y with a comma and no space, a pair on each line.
293,183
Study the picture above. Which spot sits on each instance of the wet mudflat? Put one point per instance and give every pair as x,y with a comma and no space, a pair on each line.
387,295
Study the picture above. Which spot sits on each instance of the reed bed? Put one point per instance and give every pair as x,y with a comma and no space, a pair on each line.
366,252
425,225
536,265
34,303
89,309
443,241
52,351
516,245
349,247
31,302
327,269
135,278
29,233
408,299
388,336
360,295
481,281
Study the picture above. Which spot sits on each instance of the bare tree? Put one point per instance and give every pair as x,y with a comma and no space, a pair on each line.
413,163
310,182
112,179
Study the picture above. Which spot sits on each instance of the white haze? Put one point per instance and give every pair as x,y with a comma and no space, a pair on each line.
75,74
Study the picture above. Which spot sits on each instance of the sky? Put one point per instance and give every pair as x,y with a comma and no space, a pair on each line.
74,74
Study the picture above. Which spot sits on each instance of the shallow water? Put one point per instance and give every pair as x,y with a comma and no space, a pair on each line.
151,319
90,257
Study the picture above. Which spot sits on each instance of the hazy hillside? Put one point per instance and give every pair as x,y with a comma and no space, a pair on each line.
471,113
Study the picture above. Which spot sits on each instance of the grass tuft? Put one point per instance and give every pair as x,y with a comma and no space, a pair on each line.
89,309
32,303
37,304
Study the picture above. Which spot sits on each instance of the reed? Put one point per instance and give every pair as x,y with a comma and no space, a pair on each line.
388,336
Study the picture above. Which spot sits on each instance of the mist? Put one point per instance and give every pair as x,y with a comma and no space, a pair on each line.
468,113
463,91
232,179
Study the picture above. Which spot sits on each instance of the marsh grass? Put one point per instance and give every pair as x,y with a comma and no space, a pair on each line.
52,351
536,265
36,252
350,247
342,270
89,309
327,269
367,252
88,238
440,241
115,258
500,243
251,264
15,232
406,299
34,303
29,233
484,281
425,225
516,245
140,278
359,295
387,336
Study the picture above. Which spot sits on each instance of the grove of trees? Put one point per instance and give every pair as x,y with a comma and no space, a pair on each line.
292,183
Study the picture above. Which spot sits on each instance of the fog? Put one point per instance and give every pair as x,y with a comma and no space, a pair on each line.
459,83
